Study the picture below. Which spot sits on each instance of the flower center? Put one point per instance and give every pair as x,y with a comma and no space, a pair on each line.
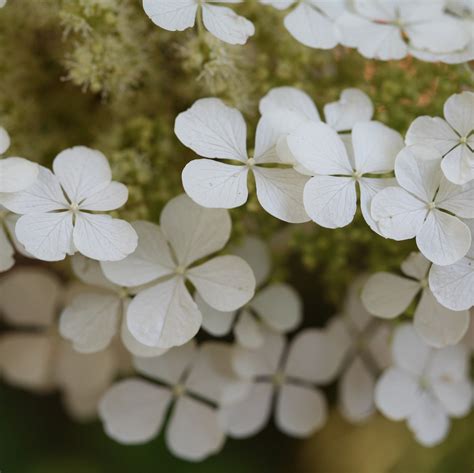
424,283
179,390
431,205
279,378
250,162
123,293
356,175
463,140
180,270
74,207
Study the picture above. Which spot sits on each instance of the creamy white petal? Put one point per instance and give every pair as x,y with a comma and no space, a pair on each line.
215,322
213,130
280,193
4,140
410,353
164,315
111,197
458,165
172,15
17,174
134,346
377,10
356,315
6,251
104,238
459,113
458,200
330,201
416,266
90,272
133,410
432,131
387,295
215,185
247,330
269,132
193,231
456,397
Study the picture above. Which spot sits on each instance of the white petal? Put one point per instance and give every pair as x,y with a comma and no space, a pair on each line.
17,174
453,285
387,295
257,254
341,342
319,149
133,410
300,411
377,10
433,132
437,325
330,201
164,315
410,353
111,197
248,417
458,200
214,322
225,282
29,297
311,28
456,398
134,346
213,130
247,331
82,172
358,318
278,4
104,238
396,394
353,106
45,195
280,193
226,25
375,147
172,15
416,266
6,251
417,169
268,134
4,140
459,113
193,432
194,232
443,239
398,213
46,236
356,392
215,185
90,321
458,165
279,306
151,260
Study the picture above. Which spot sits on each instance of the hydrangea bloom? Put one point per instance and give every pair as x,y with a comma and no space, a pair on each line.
287,374
330,197
386,30
57,210
426,206
164,314
16,174
361,342
95,315
453,285
193,382
8,241
453,137
222,22
214,130
311,22
425,387
276,306
388,295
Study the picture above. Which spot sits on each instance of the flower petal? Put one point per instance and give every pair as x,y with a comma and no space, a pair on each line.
247,330
416,266
459,113
17,174
6,251
4,140
458,200
410,353
433,132
214,322
457,165
111,197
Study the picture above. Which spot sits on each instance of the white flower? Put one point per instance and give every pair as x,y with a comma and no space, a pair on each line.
284,378
287,108
453,137
94,316
222,22
388,295
425,387
311,22
363,349
57,210
8,241
164,314
16,174
453,285
330,197
390,29
214,130
193,381
426,206
275,306
3,3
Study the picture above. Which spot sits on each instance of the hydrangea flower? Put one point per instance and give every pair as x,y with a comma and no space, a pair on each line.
16,174
220,21
389,295
8,241
287,108
284,378
193,381
214,130
3,3
276,306
363,351
57,211
453,137
33,356
311,22
386,30
425,387
453,285
95,315
163,314
426,206
330,197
